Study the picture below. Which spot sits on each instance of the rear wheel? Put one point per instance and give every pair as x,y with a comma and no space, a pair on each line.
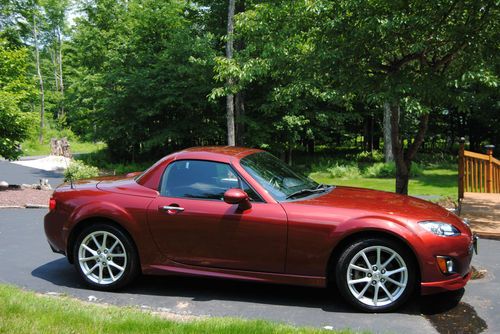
376,275
105,257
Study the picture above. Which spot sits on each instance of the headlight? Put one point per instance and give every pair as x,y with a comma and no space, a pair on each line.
439,228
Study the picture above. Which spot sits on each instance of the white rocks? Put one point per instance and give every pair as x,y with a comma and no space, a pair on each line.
42,185
3,185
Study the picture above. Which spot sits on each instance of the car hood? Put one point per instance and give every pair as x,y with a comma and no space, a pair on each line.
379,202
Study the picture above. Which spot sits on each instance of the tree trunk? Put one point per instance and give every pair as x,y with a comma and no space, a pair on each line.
40,78
239,114
402,169
404,159
53,57
61,81
231,138
388,148
310,146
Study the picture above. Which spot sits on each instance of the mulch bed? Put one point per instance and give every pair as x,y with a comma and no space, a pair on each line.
22,197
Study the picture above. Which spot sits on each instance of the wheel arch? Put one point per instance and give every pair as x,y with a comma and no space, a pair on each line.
368,234
84,223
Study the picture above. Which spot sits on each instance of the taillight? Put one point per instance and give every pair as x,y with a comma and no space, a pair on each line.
52,204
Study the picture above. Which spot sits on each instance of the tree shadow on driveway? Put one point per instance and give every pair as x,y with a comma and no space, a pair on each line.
61,273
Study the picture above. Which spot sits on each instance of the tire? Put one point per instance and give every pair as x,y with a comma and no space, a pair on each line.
105,267
366,282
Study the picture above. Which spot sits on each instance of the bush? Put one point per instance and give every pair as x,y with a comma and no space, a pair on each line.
103,161
78,170
367,156
388,170
344,171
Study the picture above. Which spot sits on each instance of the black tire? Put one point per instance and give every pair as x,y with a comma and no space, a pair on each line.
126,258
376,278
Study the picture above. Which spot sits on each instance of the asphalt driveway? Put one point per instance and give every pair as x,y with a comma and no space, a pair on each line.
17,174
27,261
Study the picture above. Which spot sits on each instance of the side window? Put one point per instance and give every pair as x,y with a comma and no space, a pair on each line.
200,179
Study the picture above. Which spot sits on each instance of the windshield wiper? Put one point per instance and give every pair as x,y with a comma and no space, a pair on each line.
320,188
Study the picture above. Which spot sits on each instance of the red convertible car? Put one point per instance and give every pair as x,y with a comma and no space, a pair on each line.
241,213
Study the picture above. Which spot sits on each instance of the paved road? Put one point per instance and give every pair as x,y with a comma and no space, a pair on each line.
26,260
17,174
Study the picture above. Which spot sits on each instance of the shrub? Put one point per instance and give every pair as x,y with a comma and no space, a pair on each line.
344,171
388,170
367,156
78,170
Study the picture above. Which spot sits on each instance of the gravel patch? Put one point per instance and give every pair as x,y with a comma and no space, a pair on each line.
24,198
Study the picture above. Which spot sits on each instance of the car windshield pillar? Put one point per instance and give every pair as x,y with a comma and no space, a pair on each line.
276,177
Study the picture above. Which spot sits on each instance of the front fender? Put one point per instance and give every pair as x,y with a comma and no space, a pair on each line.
377,226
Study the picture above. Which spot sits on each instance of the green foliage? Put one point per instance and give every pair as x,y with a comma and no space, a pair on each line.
388,170
102,160
149,77
344,171
143,72
367,156
78,170
15,91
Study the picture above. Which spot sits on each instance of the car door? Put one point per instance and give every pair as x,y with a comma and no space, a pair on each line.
191,223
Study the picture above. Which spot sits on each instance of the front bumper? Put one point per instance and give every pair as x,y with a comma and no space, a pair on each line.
429,288
456,281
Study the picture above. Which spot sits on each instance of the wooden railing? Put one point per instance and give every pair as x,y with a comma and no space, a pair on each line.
478,172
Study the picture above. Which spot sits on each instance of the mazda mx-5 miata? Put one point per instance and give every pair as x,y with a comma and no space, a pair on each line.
240,213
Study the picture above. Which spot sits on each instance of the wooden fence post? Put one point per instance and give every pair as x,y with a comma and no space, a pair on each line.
489,172
461,161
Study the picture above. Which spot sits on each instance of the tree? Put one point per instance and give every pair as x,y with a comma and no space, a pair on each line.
55,16
16,89
231,138
151,71
405,55
40,78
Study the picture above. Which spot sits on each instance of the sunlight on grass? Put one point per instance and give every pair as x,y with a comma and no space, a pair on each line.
33,148
433,182
26,312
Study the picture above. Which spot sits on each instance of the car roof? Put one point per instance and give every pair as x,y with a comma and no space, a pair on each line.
151,177
228,151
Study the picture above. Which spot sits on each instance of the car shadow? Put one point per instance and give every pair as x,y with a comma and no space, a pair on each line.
61,273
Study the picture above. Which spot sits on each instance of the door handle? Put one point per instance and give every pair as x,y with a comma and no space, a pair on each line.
171,209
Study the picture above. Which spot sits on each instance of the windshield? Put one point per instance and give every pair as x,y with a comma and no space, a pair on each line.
277,177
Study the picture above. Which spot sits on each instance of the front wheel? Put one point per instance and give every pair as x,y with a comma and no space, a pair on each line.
376,275
105,257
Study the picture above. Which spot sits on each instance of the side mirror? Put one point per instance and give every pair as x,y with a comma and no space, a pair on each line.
237,196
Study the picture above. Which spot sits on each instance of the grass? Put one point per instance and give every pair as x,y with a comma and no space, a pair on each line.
34,148
440,182
27,312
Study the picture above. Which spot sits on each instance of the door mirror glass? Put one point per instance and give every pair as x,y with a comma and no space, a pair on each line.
237,196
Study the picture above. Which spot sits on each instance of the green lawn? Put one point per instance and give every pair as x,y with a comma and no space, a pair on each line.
26,312
33,148
433,182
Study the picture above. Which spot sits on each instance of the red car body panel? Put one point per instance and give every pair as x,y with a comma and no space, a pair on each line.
287,242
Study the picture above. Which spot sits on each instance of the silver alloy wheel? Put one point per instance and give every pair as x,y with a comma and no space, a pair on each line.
102,257
377,276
